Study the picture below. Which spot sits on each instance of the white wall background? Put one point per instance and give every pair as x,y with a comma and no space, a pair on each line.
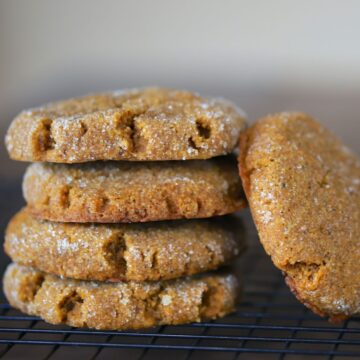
265,55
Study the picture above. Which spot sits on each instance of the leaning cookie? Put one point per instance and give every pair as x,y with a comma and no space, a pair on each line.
303,188
123,252
119,306
146,124
133,192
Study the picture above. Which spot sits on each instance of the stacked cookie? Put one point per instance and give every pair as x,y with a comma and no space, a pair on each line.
118,242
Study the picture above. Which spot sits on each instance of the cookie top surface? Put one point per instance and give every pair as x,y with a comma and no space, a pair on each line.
123,252
133,191
146,124
303,188
119,306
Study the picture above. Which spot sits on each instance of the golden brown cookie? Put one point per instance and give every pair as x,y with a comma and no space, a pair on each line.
119,306
151,251
303,187
146,124
133,192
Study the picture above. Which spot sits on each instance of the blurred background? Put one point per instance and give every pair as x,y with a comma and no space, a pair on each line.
264,55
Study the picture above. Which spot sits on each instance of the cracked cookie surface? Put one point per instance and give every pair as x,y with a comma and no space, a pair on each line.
145,124
119,306
303,188
133,191
123,252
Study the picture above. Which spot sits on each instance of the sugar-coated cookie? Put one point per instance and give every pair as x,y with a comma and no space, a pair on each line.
119,306
123,252
146,124
303,188
133,191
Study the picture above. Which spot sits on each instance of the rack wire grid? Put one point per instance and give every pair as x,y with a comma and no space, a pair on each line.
269,323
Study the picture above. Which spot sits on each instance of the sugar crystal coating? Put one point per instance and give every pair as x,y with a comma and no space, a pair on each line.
133,191
146,124
119,306
123,252
303,187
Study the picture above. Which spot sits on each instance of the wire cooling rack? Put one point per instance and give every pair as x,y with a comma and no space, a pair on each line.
269,324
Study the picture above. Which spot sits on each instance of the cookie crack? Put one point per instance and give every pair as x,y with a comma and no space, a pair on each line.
170,204
205,302
152,305
305,274
192,143
64,196
114,253
45,139
203,128
155,260
70,303
126,124
83,129
30,290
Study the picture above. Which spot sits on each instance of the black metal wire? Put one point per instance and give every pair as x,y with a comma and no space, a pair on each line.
236,339
181,336
182,347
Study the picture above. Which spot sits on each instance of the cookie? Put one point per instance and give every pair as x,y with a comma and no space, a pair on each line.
119,306
133,192
303,187
146,124
151,251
